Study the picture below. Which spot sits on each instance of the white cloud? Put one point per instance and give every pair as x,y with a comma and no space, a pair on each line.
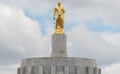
19,36
85,43
112,69
9,69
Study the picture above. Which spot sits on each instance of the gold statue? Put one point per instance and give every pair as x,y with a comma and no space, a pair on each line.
59,18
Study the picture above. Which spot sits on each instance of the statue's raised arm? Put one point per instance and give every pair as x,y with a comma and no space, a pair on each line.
59,18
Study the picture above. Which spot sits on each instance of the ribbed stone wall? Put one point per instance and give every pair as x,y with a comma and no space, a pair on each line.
59,66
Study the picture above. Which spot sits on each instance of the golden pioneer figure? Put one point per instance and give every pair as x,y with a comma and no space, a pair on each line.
59,18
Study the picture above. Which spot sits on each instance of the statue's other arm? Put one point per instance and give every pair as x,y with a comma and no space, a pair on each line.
63,10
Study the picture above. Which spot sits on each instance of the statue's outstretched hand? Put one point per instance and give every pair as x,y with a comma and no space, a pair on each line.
53,18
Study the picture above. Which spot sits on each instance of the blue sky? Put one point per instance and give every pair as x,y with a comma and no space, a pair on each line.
92,28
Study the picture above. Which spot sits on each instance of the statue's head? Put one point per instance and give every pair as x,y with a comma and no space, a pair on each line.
59,3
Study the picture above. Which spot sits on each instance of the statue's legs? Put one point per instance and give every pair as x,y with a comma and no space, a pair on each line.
59,22
59,25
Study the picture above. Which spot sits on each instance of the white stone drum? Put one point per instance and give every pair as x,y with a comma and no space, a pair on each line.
59,65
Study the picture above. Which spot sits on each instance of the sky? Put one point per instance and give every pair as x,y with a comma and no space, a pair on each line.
92,28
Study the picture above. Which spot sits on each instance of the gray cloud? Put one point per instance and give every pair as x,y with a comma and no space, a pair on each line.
112,69
84,10
8,69
112,38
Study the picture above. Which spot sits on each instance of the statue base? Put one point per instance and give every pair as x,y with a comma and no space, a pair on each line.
59,31
59,45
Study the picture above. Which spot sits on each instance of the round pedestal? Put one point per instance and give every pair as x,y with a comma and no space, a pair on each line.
58,65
